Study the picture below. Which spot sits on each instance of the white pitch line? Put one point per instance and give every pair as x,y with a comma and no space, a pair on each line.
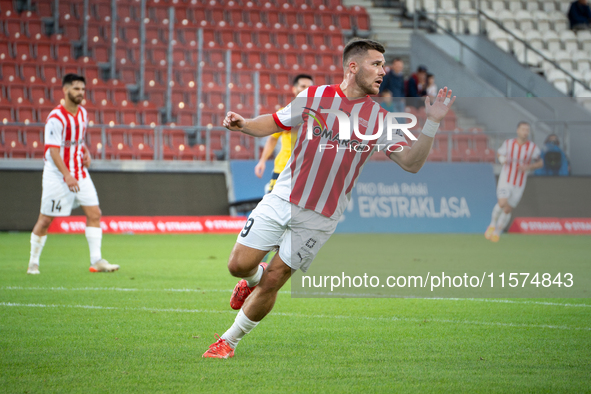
501,301
383,319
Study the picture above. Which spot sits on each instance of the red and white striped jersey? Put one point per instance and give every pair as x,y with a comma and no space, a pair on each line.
322,171
66,131
517,156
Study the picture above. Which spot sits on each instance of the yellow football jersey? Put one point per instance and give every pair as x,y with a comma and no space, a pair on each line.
285,152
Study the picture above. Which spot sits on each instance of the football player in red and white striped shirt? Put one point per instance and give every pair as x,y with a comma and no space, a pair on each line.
519,156
302,211
66,182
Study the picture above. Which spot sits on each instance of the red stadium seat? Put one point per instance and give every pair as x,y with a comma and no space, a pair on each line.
6,113
235,16
23,51
26,114
119,95
13,143
149,116
344,21
129,116
117,147
109,116
13,27
100,95
72,32
5,50
30,72
63,52
141,142
50,73
94,141
44,8
99,10
43,51
38,94
34,142
9,72
17,94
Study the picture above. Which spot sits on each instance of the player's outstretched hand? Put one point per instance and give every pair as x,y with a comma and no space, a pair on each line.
259,169
72,183
441,105
233,121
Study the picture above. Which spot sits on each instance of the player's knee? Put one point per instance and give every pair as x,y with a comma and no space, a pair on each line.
94,214
234,267
44,221
507,208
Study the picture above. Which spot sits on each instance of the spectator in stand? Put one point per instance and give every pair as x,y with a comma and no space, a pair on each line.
394,84
431,89
555,160
417,83
387,102
579,15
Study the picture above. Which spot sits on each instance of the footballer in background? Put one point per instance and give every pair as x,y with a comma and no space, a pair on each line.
518,156
66,181
300,83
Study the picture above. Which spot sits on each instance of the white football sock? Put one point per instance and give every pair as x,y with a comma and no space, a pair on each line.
37,244
495,215
242,326
94,236
502,222
254,280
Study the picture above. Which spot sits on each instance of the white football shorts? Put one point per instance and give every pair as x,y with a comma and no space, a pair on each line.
299,233
512,193
58,200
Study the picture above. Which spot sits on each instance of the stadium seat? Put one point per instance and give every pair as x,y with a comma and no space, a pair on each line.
117,146
9,72
129,116
568,40
94,141
150,116
29,72
142,144
13,143
584,40
33,138
38,94
109,116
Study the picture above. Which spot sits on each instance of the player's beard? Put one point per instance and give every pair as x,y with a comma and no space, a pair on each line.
75,99
360,80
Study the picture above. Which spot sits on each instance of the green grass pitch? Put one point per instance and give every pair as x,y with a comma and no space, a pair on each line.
144,328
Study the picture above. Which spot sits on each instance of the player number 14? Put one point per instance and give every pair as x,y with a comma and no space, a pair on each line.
56,207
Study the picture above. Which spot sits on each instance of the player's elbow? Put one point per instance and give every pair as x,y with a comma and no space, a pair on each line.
414,168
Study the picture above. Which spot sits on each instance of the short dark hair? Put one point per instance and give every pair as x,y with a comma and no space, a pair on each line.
523,122
301,76
360,45
69,78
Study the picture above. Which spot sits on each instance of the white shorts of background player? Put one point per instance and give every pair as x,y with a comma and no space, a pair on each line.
512,193
58,200
299,232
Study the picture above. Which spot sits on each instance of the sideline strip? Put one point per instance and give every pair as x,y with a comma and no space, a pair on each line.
493,300
386,319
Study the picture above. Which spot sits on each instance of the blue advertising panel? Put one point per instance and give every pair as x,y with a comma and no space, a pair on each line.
440,198
247,185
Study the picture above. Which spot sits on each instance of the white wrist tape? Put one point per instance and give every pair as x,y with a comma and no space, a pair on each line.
430,128
502,159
